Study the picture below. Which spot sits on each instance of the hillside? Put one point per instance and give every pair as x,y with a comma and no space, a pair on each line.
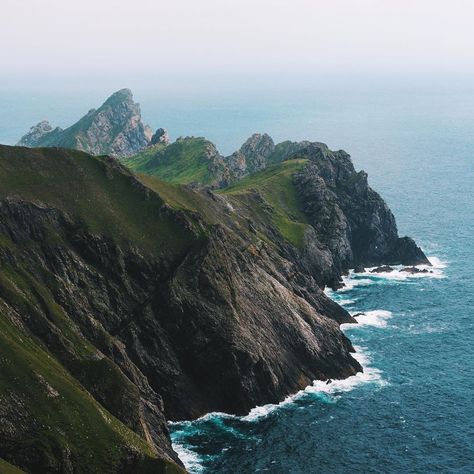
187,160
195,160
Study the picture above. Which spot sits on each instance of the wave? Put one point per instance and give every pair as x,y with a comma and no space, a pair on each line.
377,318
334,387
191,460
370,277
437,262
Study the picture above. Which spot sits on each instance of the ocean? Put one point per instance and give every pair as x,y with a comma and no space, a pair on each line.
412,409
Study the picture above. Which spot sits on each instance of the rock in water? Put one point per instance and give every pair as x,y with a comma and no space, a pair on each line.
382,269
414,270
116,128
349,217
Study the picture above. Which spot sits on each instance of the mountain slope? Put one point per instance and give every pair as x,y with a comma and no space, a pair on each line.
115,128
139,301
187,160
193,160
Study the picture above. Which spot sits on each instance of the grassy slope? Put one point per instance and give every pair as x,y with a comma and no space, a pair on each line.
183,162
7,468
62,411
274,184
276,187
87,188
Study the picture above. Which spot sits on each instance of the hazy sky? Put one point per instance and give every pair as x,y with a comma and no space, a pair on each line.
248,38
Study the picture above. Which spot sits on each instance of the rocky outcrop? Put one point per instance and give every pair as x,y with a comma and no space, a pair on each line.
38,132
116,128
160,137
252,156
258,152
348,216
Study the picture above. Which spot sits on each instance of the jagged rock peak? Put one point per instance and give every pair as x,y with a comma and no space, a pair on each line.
35,133
160,137
123,95
258,145
115,128
252,156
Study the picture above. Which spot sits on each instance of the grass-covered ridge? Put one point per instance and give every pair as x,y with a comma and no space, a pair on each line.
182,162
105,197
275,185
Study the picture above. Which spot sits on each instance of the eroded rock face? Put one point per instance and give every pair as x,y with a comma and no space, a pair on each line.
160,137
349,217
116,128
252,155
36,133
228,327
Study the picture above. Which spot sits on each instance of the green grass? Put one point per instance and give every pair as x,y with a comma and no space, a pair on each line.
176,195
183,162
105,199
7,468
275,184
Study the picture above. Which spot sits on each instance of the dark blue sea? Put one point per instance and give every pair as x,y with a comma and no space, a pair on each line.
412,410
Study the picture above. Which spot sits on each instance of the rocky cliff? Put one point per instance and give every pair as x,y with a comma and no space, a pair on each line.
116,128
135,302
348,216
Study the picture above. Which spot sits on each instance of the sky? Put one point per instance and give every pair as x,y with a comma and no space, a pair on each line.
234,40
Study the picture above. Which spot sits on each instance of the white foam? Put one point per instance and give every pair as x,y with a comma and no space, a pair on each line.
435,270
437,262
350,282
190,459
369,375
345,302
377,318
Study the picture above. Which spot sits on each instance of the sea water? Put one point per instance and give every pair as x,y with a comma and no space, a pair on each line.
411,410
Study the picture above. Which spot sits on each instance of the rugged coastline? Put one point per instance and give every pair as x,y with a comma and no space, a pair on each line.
164,296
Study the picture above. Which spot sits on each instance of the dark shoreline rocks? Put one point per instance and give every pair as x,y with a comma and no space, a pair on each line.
382,269
414,270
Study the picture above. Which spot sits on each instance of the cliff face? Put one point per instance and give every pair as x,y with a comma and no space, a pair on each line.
348,216
116,128
252,155
153,302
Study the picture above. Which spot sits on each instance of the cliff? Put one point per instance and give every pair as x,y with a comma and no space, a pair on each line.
125,303
127,300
